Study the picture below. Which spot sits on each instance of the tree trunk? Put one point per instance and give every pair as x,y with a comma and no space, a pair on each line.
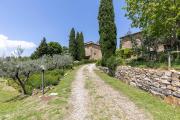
21,84
23,90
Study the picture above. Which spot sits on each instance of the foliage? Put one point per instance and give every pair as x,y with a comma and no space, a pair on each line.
52,77
84,61
124,53
77,49
99,63
81,46
160,63
112,64
41,50
20,71
159,20
18,52
54,48
76,45
65,50
72,44
62,61
107,29
15,107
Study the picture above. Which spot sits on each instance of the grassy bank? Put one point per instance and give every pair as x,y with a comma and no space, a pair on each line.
157,107
13,107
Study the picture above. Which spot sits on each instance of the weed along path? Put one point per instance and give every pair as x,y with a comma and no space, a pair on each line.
93,99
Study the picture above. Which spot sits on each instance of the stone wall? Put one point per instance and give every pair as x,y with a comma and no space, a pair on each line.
162,83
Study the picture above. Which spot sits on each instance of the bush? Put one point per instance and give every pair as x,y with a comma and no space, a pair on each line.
124,53
99,63
84,61
112,64
162,57
121,61
51,78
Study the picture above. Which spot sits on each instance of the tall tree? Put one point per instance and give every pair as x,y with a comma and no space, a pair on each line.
65,50
82,48
72,43
54,48
41,50
78,47
157,18
107,29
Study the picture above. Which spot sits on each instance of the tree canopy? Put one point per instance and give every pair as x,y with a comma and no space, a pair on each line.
76,45
54,48
45,48
159,19
41,50
107,29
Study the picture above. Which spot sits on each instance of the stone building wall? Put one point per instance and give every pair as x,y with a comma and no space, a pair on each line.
165,84
93,51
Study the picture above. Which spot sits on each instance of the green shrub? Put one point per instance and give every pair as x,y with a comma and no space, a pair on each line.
124,53
121,61
162,57
84,61
51,78
112,64
99,63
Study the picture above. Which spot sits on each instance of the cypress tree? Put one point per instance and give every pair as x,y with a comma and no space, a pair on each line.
72,43
78,49
82,48
41,50
107,29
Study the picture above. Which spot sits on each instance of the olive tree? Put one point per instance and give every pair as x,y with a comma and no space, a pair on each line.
61,61
18,71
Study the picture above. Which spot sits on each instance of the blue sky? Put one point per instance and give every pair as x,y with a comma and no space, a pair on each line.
31,20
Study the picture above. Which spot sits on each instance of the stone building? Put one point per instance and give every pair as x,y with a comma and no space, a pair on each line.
126,41
93,51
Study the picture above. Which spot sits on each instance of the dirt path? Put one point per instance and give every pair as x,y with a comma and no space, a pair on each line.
79,100
92,99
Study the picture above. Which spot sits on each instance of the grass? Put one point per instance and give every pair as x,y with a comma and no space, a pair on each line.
157,107
13,107
153,64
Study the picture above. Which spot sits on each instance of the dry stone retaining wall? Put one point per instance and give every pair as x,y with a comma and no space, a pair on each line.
163,83
158,82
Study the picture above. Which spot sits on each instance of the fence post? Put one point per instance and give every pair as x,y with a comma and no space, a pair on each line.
169,60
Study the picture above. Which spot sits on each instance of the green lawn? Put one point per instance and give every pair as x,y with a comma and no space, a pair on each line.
157,107
13,107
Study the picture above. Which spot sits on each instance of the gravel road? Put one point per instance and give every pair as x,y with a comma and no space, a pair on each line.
93,99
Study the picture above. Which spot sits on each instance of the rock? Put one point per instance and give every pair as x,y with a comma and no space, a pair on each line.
133,84
165,82
168,73
176,94
167,92
176,83
158,82
170,87
53,94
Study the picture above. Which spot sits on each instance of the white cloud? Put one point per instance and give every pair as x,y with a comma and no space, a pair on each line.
5,43
7,46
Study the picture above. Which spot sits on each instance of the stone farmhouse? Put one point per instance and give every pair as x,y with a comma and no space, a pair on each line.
126,41
92,51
